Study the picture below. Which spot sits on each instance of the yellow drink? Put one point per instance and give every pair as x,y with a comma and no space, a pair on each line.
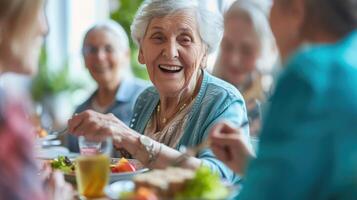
92,175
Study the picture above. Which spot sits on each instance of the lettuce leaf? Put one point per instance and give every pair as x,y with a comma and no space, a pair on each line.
63,163
205,185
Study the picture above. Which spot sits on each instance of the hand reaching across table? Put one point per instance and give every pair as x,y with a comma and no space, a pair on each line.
230,146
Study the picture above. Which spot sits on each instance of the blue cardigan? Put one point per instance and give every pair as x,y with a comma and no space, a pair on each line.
308,147
217,100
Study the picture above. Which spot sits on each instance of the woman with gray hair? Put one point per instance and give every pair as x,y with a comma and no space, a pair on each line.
106,55
174,38
308,144
247,55
247,47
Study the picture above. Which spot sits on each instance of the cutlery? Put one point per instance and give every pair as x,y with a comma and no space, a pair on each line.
50,143
193,151
60,132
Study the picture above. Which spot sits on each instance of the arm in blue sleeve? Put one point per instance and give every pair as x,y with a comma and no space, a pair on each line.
236,114
291,160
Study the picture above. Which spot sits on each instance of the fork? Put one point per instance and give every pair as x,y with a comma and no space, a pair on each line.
193,151
190,151
60,132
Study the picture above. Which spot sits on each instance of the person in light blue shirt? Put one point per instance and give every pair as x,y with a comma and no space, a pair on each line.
125,97
174,38
107,55
308,147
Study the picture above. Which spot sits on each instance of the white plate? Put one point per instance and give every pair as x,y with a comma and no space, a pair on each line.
116,176
47,137
50,153
115,189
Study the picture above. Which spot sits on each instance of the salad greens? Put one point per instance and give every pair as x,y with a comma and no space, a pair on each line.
63,163
205,185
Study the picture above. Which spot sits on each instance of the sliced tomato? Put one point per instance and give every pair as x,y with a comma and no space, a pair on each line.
113,169
123,165
126,167
145,194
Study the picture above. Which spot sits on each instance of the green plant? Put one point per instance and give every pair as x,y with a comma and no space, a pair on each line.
49,82
125,15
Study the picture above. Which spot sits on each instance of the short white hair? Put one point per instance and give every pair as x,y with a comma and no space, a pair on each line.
257,14
115,28
210,24
121,40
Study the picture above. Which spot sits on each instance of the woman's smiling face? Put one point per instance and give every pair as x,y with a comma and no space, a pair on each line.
173,52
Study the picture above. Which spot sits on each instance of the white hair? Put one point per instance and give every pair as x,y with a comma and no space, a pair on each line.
209,24
257,14
122,41
115,28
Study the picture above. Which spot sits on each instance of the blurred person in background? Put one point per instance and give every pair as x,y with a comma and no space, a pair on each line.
308,142
174,39
106,54
22,29
247,55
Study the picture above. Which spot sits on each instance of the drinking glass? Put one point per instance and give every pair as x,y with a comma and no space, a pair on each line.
92,167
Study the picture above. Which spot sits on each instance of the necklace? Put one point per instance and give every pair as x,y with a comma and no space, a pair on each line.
165,119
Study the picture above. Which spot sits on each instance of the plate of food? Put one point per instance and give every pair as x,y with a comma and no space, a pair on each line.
42,135
118,188
120,168
172,183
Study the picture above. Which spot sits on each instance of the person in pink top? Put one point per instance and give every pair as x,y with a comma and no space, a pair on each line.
22,29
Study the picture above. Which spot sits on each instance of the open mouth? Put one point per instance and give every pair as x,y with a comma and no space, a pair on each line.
170,69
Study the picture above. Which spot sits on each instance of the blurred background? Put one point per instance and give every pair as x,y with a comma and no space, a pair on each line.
63,81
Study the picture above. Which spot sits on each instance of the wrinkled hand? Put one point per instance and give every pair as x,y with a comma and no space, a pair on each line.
96,126
230,146
58,188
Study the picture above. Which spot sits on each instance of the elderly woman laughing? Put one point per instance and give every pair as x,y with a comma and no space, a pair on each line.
184,102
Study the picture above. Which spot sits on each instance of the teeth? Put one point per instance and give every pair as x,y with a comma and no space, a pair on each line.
171,68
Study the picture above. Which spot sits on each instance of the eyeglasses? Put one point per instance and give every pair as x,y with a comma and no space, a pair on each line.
93,50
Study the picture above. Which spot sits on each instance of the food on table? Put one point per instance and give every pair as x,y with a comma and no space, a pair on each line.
164,182
92,175
41,132
205,185
178,183
123,165
141,193
63,163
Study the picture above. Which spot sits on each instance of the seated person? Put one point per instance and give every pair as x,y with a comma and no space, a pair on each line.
247,50
308,141
107,57
184,101
23,26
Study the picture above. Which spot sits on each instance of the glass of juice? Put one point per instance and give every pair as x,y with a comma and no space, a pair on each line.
92,167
